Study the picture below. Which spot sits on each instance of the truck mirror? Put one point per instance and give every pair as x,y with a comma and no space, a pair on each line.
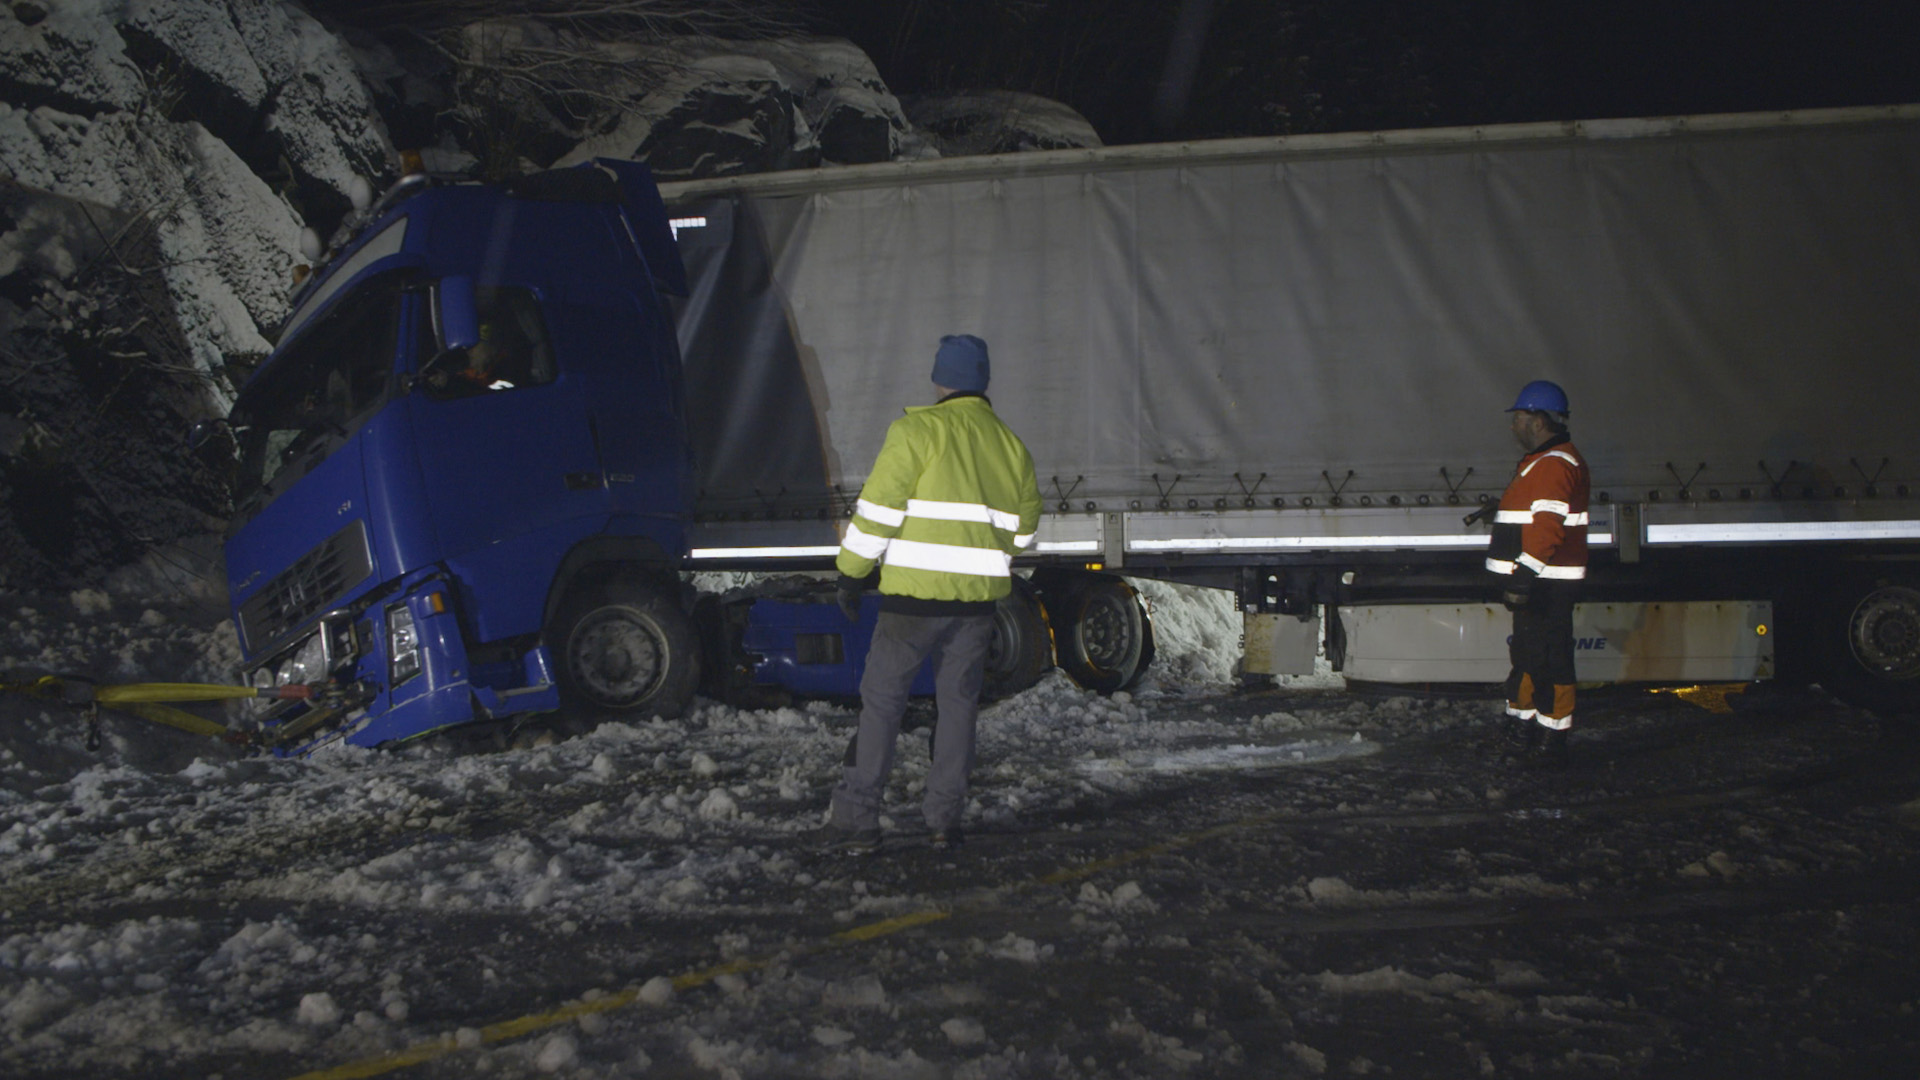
203,432
459,317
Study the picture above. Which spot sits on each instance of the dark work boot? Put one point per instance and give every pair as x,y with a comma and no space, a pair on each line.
1516,732
1518,735
1550,749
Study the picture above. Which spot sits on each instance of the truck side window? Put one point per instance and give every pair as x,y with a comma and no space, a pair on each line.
513,350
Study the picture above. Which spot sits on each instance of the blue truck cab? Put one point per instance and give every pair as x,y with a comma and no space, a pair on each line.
462,474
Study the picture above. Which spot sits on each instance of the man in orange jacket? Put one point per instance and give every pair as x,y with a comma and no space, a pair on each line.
1538,553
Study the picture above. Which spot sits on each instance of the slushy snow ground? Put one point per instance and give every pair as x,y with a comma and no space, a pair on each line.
634,821
1176,882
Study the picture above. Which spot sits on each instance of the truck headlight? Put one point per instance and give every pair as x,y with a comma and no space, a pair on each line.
308,665
403,645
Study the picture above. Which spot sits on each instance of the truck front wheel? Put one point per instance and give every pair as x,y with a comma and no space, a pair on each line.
624,648
1872,639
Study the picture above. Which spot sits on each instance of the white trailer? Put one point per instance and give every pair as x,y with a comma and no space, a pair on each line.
1279,366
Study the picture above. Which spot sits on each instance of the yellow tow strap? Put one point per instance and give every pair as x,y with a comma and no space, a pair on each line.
147,700
170,691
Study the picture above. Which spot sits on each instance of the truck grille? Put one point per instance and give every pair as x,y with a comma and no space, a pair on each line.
307,587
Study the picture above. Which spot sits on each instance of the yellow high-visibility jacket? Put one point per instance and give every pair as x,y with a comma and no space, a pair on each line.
951,499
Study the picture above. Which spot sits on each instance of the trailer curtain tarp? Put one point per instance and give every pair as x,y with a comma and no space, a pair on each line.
1744,301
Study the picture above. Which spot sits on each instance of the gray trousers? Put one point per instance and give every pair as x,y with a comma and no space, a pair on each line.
901,643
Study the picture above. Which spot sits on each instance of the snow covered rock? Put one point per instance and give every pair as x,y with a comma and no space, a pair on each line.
998,122
726,108
263,78
232,125
162,159
95,394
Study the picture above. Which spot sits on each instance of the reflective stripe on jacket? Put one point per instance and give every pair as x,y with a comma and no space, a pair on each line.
951,499
1540,527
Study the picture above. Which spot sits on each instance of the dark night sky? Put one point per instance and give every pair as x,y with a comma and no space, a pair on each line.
1290,66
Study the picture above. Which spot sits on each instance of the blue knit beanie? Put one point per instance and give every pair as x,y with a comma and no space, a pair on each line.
961,363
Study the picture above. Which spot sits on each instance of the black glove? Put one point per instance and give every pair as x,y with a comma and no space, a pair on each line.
847,594
1517,592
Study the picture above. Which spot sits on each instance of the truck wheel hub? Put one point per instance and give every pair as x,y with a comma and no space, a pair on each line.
1104,632
616,658
1885,632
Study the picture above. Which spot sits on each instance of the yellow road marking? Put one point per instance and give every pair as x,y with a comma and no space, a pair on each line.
890,926
526,1025
420,1053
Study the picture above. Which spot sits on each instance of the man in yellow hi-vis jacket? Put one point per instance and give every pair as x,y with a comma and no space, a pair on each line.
951,499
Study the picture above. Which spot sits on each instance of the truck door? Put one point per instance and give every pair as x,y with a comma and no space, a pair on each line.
508,460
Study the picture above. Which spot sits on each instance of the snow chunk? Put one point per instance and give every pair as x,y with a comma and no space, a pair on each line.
656,991
1331,890
718,806
831,1036
90,602
559,1052
964,1031
1314,1060
1025,950
318,1010
864,992
1392,980
1126,897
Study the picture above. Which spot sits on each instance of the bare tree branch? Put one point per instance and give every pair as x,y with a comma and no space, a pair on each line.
606,20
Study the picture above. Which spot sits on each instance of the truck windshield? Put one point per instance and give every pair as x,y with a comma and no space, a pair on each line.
314,392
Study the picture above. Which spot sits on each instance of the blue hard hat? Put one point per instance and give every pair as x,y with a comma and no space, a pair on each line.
1541,395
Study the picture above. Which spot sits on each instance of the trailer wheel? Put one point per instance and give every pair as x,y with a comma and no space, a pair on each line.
1106,643
624,648
1022,647
1872,645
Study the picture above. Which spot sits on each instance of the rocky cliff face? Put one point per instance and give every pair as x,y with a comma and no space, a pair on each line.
168,163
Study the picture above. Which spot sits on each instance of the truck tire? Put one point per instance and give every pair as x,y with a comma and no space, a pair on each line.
623,649
1105,642
1022,648
1871,639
